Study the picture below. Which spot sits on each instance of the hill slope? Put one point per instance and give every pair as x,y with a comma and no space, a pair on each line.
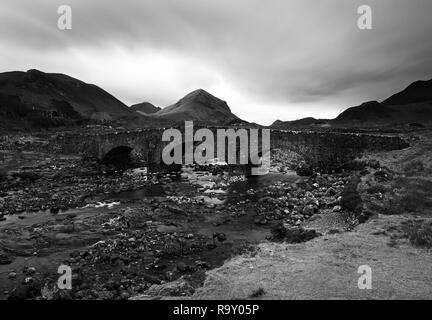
414,104
419,91
145,108
305,122
35,99
200,106
368,111
411,105
37,90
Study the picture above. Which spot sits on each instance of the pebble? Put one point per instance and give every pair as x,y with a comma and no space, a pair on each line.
124,295
181,266
308,210
28,280
30,270
337,208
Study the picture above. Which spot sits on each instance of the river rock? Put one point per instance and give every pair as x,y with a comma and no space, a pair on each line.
176,210
176,288
28,280
330,192
30,270
181,266
337,208
261,221
5,258
308,210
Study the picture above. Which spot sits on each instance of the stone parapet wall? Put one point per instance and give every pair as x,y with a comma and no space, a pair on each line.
324,151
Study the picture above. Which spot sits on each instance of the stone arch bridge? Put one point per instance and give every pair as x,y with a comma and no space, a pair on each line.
324,151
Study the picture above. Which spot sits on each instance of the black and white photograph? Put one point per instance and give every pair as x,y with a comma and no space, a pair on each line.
234,151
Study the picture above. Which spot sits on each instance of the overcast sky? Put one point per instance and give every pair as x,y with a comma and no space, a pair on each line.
276,59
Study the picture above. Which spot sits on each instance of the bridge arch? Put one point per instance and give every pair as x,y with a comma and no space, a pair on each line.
119,155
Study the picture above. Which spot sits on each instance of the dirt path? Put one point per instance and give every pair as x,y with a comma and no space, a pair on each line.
326,268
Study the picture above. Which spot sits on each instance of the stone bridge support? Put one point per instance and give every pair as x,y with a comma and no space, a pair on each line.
322,150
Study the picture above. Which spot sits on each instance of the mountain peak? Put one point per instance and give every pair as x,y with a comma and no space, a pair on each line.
199,91
34,75
199,105
145,107
35,71
200,94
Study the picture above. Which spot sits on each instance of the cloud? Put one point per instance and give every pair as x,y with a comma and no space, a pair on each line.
279,59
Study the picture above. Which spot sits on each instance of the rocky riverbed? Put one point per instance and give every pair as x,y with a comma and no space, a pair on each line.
132,231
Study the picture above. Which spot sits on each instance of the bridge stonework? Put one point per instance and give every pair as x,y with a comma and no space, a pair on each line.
322,150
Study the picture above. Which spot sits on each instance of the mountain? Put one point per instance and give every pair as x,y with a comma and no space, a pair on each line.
199,106
368,111
37,91
35,99
38,99
145,108
305,122
413,104
417,92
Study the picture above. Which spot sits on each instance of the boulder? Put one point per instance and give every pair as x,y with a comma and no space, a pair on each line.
176,288
308,210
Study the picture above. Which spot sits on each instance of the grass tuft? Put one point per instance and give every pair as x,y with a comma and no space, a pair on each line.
257,293
351,199
414,167
419,233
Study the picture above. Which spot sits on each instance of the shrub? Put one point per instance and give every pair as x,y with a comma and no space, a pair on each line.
413,200
304,170
292,235
27,176
299,235
354,165
383,175
278,231
257,293
415,166
351,199
3,174
374,164
376,189
365,216
419,233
